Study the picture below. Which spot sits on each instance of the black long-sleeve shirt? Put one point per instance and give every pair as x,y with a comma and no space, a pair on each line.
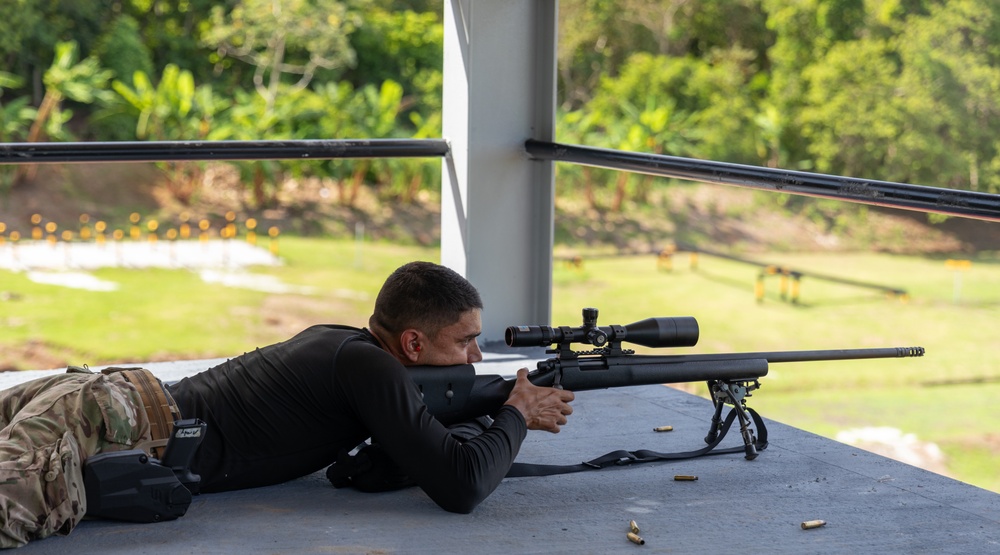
287,410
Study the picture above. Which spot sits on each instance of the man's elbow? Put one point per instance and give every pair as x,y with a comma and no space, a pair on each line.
462,500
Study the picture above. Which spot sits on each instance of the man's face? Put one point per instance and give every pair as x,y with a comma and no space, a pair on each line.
454,344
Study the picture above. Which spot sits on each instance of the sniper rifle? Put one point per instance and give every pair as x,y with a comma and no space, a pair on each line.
455,393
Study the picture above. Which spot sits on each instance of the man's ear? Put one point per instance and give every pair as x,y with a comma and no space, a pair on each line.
411,343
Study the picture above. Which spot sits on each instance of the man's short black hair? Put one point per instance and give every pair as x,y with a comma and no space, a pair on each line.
424,296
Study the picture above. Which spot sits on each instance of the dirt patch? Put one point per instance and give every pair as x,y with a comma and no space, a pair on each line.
285,315
745,221
988,442
61,193
34,354
899,446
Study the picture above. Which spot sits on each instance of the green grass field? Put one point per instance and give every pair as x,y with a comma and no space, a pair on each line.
170,314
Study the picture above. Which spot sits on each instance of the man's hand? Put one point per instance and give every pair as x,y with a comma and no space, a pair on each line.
544,408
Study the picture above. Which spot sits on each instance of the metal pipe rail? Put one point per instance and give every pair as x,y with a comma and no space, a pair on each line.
158,151
780,268
951,202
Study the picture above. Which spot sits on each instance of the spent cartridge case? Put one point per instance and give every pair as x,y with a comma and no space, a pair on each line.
634,538
812,524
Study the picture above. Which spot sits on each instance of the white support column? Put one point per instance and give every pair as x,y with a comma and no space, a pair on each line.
497,206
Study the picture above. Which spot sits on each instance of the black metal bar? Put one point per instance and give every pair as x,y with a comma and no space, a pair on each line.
952,202
155,151
844,281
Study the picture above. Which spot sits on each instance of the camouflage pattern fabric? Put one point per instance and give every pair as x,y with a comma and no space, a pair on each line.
48,428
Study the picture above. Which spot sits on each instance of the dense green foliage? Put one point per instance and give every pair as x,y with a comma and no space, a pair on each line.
899,90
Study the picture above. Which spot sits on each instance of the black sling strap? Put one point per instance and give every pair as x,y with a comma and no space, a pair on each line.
623,457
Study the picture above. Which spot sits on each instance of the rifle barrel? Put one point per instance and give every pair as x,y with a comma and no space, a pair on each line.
810,356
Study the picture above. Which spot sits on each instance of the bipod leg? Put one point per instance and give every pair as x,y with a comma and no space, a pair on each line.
713,432
749,442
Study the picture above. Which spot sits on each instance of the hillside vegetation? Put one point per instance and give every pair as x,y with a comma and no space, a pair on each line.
716,217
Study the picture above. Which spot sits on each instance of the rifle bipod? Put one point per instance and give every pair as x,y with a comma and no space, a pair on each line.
735,393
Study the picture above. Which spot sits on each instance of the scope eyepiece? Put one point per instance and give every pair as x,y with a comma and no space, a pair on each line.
652,332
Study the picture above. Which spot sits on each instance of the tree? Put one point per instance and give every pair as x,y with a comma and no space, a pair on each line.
949,82
83,82
32,29
171,32
355,113
15,119
918,106
284,37
173,109
852,115
16,115
403,46
121,49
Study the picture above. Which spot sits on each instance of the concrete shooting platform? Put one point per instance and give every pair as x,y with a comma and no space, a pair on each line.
871,504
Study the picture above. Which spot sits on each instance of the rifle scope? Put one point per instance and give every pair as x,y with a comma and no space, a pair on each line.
651,332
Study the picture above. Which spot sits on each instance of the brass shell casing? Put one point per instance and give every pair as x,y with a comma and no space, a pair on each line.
634,538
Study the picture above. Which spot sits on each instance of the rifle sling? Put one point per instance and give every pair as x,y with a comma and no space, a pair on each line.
623,457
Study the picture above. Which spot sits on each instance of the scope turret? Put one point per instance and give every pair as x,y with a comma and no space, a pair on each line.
652,332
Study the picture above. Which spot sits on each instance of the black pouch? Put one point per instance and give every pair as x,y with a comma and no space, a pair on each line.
370,470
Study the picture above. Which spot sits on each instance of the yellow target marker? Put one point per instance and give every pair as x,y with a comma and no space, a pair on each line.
84,227
203,226
100,227
118,235
36,230
135,232
273,232
251,234
51,228
152,226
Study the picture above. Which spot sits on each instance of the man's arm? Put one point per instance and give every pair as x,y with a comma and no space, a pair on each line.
457,475
543,408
